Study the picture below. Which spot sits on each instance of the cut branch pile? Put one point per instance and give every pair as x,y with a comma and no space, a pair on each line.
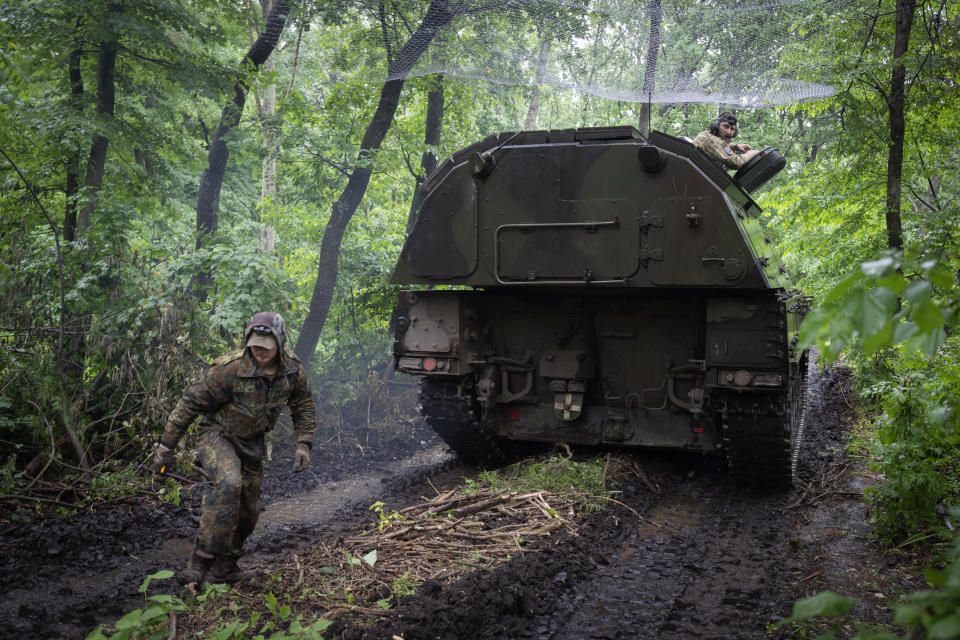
439,539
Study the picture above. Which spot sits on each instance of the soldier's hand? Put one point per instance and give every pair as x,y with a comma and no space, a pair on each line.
162,459
301,459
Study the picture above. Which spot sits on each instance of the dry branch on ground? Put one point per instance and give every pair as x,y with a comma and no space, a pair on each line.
439,539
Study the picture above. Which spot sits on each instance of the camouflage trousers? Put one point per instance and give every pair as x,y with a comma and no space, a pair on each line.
232,506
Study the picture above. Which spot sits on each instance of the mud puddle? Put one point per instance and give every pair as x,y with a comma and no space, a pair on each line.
677,514
320,503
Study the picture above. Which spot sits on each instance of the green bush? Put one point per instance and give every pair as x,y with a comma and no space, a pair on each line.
919,436
937,610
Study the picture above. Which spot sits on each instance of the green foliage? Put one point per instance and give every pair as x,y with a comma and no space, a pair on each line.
385,517
936,610
153,621
111,484
279,612
404,586
919,444
149,623
879,305
238,629
488,478
171,492
825,603
559,474
370,558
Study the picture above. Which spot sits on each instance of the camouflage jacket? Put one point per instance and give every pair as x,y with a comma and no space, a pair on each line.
233,396
718,150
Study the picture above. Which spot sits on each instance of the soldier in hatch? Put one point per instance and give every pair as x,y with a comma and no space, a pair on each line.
716,142
239,398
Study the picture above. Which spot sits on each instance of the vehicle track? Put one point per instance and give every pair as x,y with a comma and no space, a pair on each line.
705,564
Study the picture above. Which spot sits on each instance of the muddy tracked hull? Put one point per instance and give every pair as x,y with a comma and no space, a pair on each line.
501,372
760,437
612,289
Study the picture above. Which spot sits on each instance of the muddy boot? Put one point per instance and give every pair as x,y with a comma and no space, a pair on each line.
200,562
225,569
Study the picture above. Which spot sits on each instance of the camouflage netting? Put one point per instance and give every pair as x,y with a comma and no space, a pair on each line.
723,52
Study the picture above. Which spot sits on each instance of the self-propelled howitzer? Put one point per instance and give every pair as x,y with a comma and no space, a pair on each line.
615,290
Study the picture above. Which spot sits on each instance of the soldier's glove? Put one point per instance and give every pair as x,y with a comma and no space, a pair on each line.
301,459
162,459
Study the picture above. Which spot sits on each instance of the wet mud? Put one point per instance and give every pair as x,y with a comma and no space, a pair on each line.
65,576
686,554
698,560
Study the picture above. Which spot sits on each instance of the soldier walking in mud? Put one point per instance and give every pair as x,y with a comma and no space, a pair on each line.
717,142
240,399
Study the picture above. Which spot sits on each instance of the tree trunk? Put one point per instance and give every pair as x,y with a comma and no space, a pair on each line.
72,185
650,73
144,157
533,111
437,17
905,10
268,171
431,137
106,93
208,200
72,354
268,109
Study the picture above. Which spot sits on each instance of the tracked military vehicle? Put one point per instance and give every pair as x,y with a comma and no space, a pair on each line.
610,290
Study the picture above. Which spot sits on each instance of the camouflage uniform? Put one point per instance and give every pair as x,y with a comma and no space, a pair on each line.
238,405
719,150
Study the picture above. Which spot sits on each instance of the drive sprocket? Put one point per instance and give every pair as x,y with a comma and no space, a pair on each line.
450,408
762,432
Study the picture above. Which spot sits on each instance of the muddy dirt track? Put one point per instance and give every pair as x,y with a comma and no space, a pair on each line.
687,555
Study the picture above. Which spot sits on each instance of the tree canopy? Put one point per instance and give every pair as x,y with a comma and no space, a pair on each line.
169,168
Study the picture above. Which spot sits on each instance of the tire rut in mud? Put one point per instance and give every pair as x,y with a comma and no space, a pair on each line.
705,565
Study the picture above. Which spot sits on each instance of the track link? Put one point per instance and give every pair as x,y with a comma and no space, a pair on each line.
762,432
451,410
801,398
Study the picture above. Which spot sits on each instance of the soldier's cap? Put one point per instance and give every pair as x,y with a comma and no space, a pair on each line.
268,325
262,339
